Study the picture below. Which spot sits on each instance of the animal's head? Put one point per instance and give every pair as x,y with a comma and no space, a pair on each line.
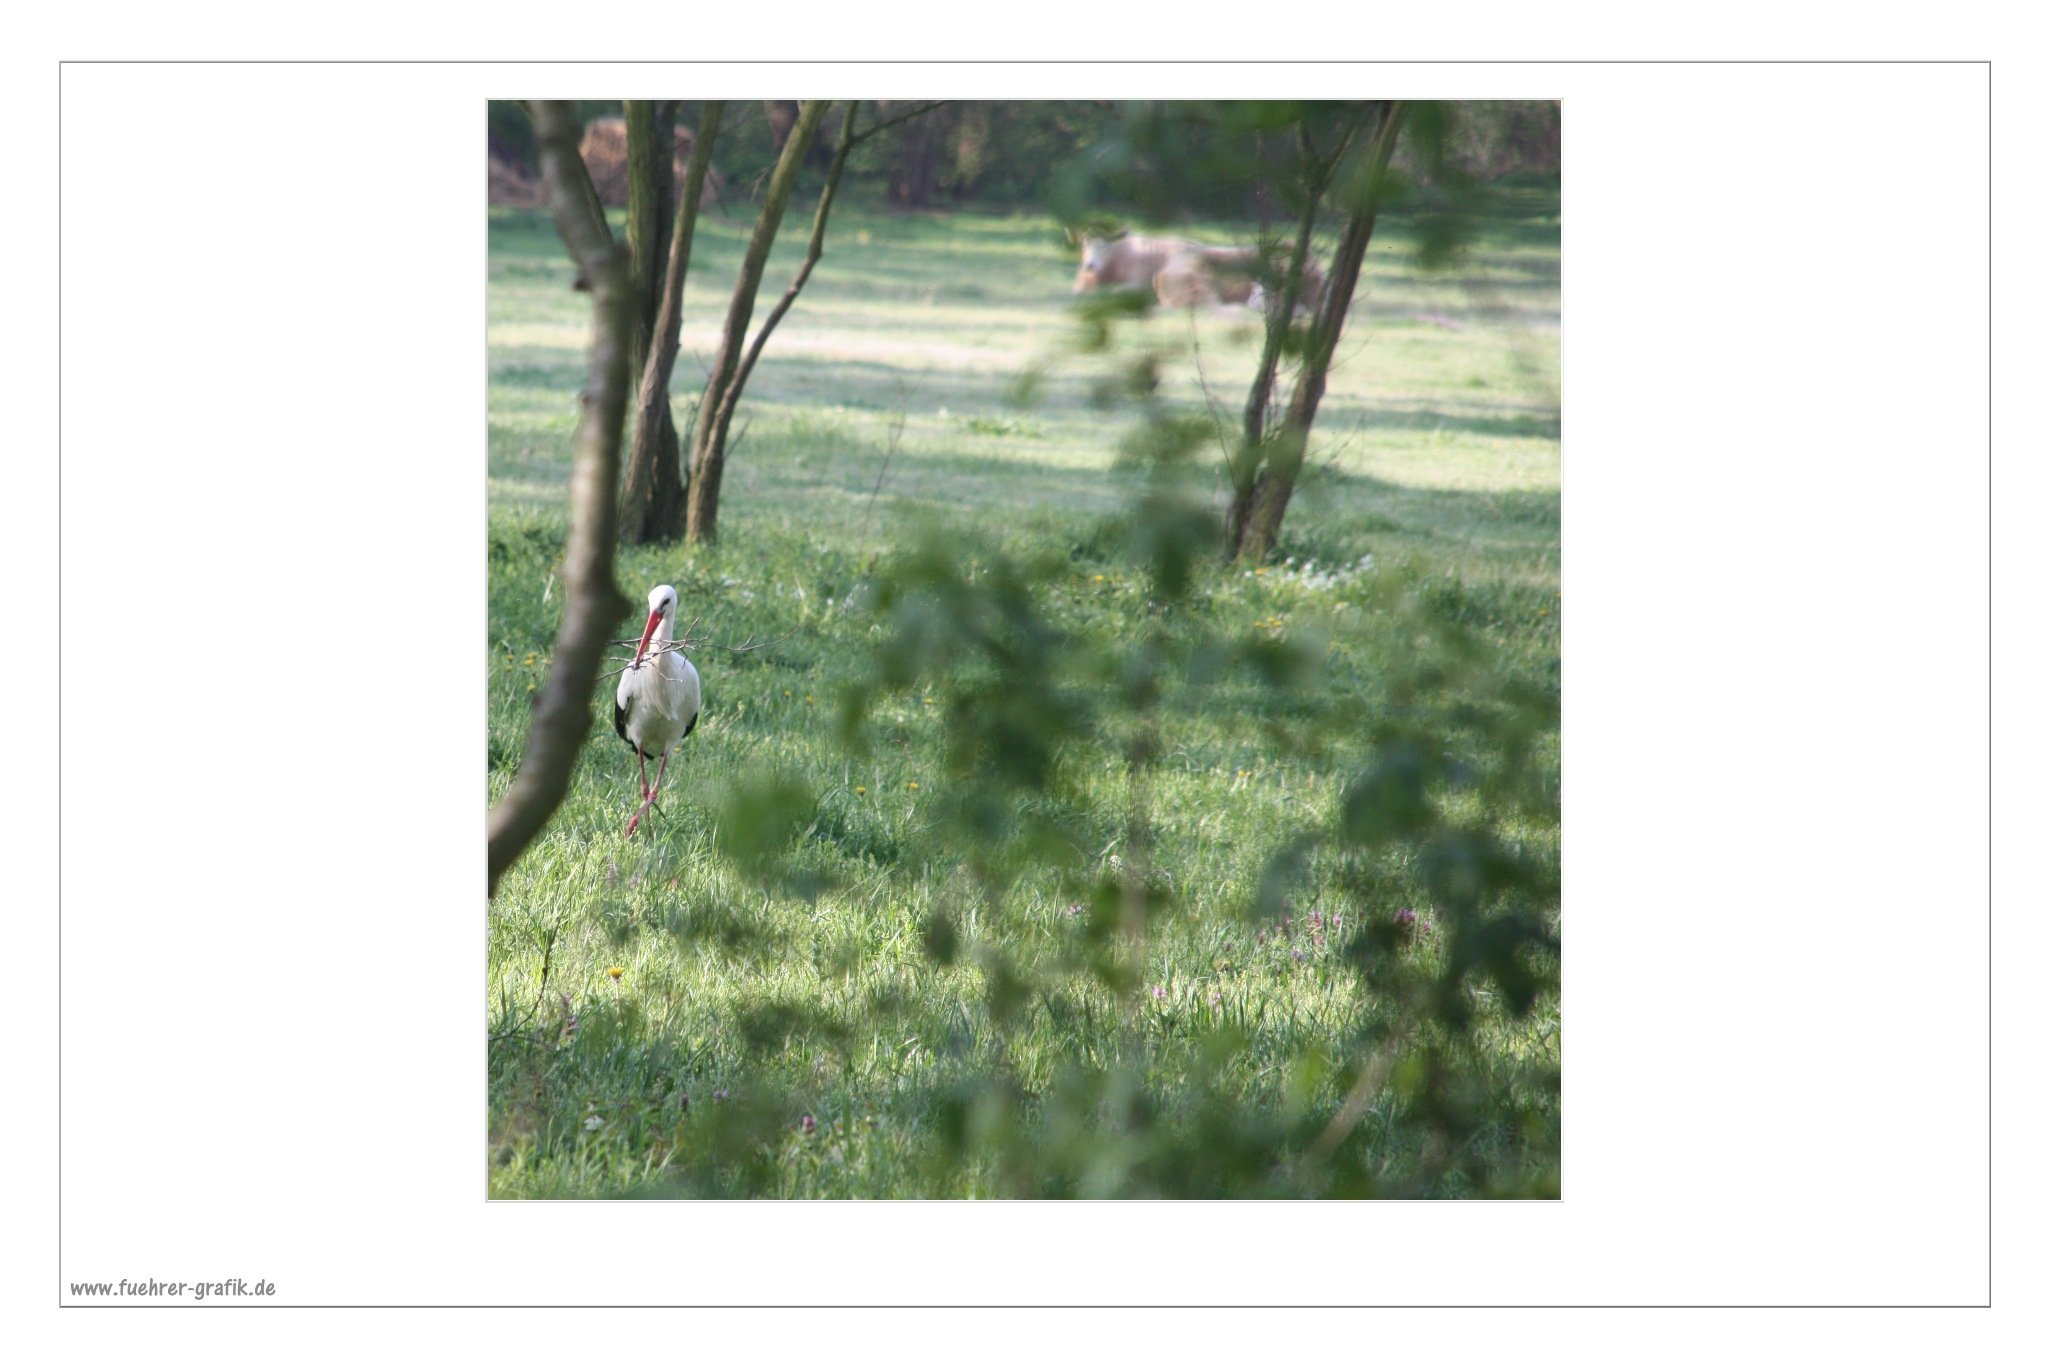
1097,252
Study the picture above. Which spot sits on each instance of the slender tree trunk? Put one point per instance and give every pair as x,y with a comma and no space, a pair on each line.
1315,175
651,506
1257,530
592,606
650,209
815,250
721,392
1279,322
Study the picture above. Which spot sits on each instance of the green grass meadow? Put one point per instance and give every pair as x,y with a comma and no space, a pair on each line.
872,1013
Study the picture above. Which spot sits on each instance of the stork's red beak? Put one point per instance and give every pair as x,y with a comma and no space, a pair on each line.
653,620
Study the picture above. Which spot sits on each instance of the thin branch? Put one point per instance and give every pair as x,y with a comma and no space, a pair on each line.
1210,404
692,641
900,118
896,424
746,646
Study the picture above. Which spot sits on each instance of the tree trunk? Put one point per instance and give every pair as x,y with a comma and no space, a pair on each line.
651,506
1279,322
1257,529
722,392
586,202
592,606
650,209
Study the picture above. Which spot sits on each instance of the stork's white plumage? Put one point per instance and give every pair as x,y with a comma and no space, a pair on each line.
658,697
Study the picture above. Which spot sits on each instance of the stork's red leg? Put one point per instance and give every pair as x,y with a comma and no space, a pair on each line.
646,795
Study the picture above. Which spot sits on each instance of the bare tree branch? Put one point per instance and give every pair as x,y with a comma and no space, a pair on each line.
721,396
1244,468
889,123
592,605
815,250
691,641
1259,529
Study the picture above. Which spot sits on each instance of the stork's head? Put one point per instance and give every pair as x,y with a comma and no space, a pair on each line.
661,606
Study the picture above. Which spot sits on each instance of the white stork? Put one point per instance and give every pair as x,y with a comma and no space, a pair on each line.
658,697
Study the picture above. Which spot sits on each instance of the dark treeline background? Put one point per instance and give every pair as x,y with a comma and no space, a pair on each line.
1004,153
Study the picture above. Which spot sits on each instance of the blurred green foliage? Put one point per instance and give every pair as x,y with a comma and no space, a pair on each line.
1452,781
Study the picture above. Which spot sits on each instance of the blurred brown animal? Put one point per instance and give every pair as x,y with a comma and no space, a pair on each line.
1185,274
1189,280
604,155
1224,275
1125,262
1308,300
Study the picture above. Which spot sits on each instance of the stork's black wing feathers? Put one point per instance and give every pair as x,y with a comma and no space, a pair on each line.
619,724
686,729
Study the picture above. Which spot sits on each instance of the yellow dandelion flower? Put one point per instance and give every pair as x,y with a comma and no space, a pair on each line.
860,791
913,786
1098,578
615,972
